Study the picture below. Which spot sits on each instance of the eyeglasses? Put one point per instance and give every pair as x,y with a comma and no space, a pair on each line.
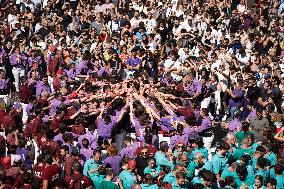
180,146
144,152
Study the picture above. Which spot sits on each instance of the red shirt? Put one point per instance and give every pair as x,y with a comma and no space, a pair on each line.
54,125
56,84
85,182
25,93
50,173
38,172
9,121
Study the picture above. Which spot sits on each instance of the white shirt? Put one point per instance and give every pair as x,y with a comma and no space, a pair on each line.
134,22
169,63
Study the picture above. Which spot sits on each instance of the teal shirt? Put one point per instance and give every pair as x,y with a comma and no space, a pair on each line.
248,181
262,173
238,153
272,158
197,180
252,187
176,186
149,186
219,163
280,181
153,172
162,159
97,180
204,151
90,165
227,173
191,169
170,178
127,178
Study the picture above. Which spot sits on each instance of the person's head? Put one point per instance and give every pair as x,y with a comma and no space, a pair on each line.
97,155
112,150
223,148
271,183
208,178
245,159
230,181
278,168
164,146
64,150
258,181
259,113
109,173
242,172
231,138
136,186
77,167
85,143
180,178
204,112
127,140
151,162
144,152
131,165
199,158
184,160
259,152
178,168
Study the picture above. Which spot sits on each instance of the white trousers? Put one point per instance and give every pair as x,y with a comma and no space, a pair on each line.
207,144
17,73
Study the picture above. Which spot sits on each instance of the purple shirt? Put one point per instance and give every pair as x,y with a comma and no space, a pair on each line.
86,154
42,87
252,114
71,74
178,138
165,124
104,130
54,104
128,151
59,139
194,87
237,102
90,137
114,163
82,66
205,124
234,124
4,84
133,61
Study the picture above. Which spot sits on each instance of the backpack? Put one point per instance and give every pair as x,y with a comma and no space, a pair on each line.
77,183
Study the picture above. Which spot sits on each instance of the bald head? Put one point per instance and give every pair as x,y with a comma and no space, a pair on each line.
136,186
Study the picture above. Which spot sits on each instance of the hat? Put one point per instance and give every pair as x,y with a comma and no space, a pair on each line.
6,162
60,72
132,164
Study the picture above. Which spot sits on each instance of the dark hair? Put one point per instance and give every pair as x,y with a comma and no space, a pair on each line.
65,148
180,175
109,172
242,172
164,146
278,168
148,139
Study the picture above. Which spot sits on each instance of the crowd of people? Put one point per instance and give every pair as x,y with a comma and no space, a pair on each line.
141,94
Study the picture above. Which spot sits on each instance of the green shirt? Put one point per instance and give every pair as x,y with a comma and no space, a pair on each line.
241,151
108,185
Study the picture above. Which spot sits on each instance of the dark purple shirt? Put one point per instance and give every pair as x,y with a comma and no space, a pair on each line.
114,162
237,102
